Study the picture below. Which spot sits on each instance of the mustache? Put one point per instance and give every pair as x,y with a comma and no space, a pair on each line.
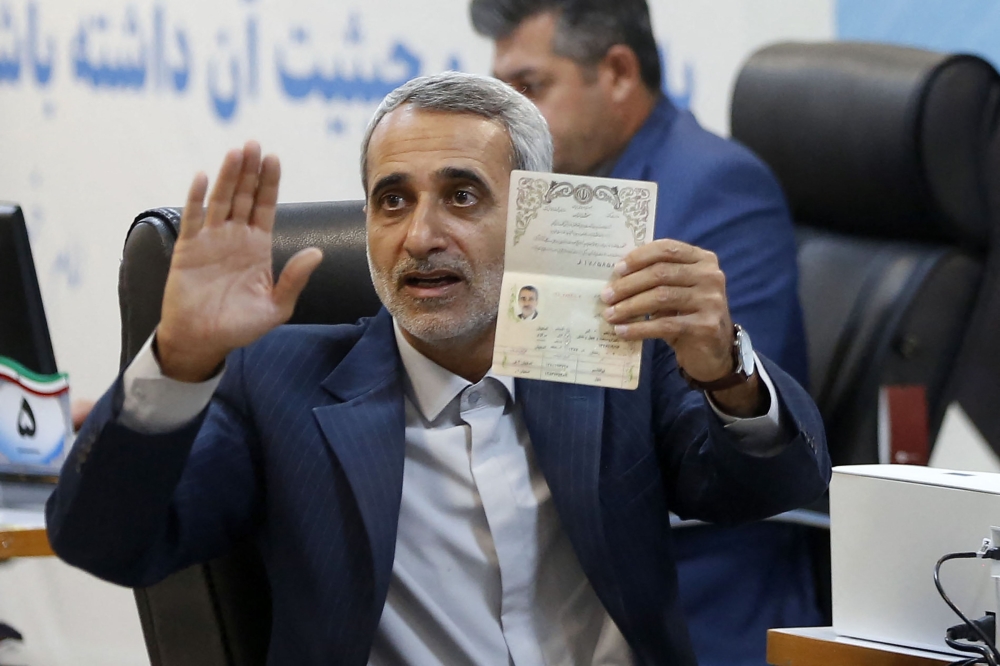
458,265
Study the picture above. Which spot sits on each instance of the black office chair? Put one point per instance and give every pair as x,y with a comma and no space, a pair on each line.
888,159
886,156
219,613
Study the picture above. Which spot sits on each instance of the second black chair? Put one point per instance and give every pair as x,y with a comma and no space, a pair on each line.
883,154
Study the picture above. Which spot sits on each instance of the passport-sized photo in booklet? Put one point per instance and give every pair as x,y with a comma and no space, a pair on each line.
565,234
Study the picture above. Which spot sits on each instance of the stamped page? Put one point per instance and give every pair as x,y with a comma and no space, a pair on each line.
565,234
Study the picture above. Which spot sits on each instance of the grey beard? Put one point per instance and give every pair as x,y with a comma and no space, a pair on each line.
433,320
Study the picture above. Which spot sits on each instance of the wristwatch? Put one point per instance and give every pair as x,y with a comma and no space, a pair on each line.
743,362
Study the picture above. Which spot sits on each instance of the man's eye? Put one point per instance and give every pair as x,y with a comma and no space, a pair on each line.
392,202
528,89
464,198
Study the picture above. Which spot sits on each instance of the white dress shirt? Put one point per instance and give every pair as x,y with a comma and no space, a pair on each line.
483,571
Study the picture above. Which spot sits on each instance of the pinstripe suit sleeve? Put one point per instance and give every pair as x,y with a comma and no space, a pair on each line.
709,476
132,508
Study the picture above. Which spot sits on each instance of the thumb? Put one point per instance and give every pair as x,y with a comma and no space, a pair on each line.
294,277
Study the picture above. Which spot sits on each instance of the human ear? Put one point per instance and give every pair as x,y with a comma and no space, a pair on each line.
621,72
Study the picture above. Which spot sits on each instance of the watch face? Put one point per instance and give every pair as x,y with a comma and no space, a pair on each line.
745,351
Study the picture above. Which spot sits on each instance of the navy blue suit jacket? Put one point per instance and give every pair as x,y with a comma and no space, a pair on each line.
302,450
715,194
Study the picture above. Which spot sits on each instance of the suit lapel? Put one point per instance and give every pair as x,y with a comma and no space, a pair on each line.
565,422
366,432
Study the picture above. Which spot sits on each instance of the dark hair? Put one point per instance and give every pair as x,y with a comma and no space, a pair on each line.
586,29
528,288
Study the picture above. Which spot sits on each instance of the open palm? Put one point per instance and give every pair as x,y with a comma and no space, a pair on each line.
220,293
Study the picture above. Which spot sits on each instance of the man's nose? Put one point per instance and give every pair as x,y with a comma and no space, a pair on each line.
426,232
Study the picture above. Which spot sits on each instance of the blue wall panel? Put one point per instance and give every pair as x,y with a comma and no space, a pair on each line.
968,26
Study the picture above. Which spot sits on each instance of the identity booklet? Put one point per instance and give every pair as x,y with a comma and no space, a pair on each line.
565,234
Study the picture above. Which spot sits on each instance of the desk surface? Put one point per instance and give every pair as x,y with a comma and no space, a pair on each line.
24,542
22,533
819,646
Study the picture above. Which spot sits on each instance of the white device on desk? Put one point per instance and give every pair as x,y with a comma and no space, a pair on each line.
889,525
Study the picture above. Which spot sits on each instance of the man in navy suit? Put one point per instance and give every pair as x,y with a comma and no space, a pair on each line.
593,69
411,507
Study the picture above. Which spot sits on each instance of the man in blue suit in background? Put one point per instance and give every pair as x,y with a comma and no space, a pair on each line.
592,67
410,506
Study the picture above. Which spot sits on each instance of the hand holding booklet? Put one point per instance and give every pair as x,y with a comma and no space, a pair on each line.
565,235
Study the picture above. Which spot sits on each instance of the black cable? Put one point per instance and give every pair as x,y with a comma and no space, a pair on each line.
984,653
990,655
971,661
960,632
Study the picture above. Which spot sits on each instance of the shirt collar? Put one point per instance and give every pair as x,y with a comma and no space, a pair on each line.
434,387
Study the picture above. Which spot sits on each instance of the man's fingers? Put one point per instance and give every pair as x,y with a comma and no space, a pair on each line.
663,249
663,301
659,274
294,277
669,328
710,330
704,275
267,193
246,187
194,208
221,200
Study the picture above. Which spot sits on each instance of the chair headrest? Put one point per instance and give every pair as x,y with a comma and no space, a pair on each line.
875,139
340,291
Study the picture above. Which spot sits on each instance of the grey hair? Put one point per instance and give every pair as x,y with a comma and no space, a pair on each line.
457,92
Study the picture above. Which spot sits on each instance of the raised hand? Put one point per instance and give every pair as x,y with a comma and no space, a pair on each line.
671,290
220,292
